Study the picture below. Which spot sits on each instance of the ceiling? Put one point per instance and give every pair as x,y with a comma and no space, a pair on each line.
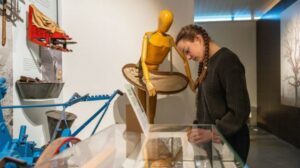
231,10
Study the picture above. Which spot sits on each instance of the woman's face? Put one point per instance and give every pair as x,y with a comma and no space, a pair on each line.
193,50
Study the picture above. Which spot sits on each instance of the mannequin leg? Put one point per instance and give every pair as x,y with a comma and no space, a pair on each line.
142,97
148,103
151,108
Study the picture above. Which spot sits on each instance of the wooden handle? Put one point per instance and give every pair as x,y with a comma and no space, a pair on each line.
4,23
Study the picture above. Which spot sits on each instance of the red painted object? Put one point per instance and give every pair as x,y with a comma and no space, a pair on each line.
53,149
46,38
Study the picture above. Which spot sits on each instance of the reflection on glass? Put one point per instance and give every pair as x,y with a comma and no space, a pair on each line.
166,146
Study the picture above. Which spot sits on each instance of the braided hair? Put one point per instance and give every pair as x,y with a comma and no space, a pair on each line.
189,32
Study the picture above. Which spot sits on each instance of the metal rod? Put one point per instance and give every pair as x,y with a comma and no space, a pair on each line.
89,120
99,121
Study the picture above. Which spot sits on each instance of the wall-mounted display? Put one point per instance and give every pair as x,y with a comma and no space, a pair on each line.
30,88
45,32
290,55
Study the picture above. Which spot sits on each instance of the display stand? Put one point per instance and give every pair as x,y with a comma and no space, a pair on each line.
132,123
163,82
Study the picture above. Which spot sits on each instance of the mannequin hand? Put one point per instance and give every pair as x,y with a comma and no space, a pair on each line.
150,88
192,86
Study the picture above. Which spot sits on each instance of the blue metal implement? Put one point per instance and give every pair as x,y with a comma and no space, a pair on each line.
20,152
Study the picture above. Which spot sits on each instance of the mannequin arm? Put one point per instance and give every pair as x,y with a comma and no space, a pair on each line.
149,86
186,66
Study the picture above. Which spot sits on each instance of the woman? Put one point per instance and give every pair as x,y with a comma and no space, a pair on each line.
222,97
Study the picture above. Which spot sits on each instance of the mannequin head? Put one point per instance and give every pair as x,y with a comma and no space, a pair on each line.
165,20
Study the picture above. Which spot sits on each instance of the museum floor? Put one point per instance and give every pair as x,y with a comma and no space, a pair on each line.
268,151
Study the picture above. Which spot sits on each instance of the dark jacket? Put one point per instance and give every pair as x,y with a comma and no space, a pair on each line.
223,97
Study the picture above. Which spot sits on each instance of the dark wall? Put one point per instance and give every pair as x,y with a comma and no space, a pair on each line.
281,120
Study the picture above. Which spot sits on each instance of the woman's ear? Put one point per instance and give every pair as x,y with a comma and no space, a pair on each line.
198,38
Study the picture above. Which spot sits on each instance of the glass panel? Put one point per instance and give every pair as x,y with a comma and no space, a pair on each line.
223,154
168,146
165,146
107,149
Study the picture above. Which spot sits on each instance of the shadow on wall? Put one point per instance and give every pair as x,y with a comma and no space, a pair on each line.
172,109
119,109
37,116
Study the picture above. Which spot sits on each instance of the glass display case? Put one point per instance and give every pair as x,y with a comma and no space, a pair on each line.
165,146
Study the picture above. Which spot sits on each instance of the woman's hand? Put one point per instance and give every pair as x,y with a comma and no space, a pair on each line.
216,136
199,135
